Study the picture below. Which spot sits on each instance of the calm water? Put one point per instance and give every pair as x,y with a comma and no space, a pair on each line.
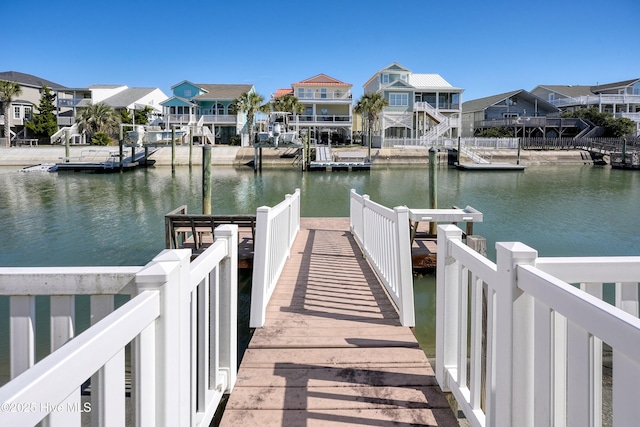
75,219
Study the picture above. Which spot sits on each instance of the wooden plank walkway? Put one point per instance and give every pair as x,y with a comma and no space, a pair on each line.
332,352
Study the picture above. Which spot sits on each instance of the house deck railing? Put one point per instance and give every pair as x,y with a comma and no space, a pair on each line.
597,99
276,229
540,363
383,235
325,118
180,323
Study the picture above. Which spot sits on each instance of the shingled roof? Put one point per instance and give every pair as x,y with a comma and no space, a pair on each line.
28,80
222,91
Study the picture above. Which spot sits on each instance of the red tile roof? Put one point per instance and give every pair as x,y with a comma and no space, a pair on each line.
282,92
321,80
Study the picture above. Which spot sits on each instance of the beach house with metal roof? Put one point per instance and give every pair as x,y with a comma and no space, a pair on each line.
207,105
421,107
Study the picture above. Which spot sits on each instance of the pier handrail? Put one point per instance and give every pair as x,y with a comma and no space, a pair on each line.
276,228
181,324
383,236
543,335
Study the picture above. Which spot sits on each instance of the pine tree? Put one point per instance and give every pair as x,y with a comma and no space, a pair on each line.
44,123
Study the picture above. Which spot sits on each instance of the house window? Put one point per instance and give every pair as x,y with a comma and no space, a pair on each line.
187,93
385,78
398,99
552,97
16,112
219,109
27,112
636,89
323,93
300,92
309,94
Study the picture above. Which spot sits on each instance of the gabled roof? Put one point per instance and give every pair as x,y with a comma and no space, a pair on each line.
321,80
127,96
608,86
222,91
569,91
177,100
27,79
482,104
394,66
398,84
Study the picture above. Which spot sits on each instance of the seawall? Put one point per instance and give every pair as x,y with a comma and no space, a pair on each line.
238,156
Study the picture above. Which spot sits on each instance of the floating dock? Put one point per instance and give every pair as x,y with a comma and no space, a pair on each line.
490,167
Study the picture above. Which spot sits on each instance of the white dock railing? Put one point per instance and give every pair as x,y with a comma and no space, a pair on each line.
543,335
181,323
383,236
276,228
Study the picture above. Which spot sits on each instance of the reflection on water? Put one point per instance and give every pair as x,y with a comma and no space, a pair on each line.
117,219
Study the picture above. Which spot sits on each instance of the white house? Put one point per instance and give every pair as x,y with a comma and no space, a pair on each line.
420,106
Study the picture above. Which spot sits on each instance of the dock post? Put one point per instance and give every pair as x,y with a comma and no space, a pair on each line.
206,180
433,185
260,161
519,144
173,148
191,130
66,146
459,147
121,149
255,159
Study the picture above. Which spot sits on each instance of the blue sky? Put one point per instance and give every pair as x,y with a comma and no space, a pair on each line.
485,47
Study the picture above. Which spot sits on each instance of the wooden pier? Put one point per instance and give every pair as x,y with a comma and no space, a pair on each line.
332,351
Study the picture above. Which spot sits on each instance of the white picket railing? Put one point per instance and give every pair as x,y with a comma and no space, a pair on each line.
383,235
181,322
543,335
276,228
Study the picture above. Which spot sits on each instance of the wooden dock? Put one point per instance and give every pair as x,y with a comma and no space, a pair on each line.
332,351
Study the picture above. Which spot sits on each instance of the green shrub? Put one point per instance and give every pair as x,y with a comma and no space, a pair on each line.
101,138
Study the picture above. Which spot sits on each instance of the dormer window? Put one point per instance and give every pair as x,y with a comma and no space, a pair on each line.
187,93
385,78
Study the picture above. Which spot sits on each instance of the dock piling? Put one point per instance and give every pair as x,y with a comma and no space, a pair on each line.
206,180
433,185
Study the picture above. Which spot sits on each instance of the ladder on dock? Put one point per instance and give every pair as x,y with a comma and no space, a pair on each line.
332,350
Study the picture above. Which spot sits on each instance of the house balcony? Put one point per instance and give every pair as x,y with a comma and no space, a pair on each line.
207,119
606,99
322,120
328,96
427,106
70,102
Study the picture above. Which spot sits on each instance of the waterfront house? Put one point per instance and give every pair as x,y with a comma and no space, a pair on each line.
70,100
524,113
328,106
26,103
420,106
207,105
622,99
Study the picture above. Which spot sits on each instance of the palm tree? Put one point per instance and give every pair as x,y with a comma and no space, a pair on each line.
370,105
8,91
249,103
98,118
288,104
